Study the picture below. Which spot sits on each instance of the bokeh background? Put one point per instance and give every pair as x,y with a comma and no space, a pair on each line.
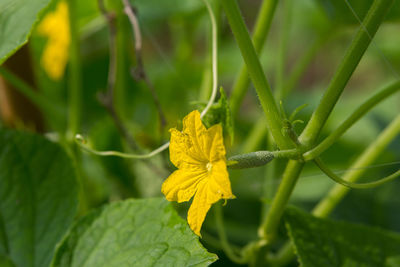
177,59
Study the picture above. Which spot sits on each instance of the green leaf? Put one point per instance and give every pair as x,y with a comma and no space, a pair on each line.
17,18
323,242
220,112
65,249
38,197
137,232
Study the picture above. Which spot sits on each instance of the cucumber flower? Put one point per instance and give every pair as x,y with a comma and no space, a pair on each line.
55,26
199,155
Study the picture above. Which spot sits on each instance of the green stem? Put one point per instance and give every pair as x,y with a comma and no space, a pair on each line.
268,229
38,99
261,30
123,31
256,72
352,57
284,256
75,100
283,49
84,204
259,130
270,183
219,222
74,82
350,61
354,117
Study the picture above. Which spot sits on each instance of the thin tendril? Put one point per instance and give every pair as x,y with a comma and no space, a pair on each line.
341,171
343,182
358,169
82,143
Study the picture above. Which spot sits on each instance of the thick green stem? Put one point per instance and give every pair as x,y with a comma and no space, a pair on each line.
268,229
74,82
346,68
120,93
75,100
270,183
259,130
350,61
256,72
261,30
283,49
354,117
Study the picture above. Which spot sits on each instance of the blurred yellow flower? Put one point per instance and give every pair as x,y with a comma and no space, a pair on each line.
55,26
199,155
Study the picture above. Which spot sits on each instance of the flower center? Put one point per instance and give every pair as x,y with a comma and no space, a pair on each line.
209,166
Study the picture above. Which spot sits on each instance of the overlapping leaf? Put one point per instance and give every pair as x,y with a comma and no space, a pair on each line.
139,232
17,18
322,242
38,198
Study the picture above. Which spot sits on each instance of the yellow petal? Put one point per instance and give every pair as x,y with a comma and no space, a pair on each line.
209,190
218,183
180,153
214,143
199,208
197,132
182,184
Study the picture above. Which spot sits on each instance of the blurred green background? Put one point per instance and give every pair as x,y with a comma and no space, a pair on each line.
177,59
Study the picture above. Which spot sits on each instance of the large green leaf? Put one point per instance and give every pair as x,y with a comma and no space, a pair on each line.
137,232
323,242
38,197
17,18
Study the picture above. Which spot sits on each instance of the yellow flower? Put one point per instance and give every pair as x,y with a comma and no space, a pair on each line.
55,26
199,155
